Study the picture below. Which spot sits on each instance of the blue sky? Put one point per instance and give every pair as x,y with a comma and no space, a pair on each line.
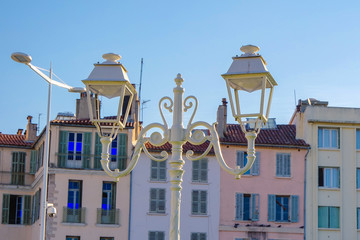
311,47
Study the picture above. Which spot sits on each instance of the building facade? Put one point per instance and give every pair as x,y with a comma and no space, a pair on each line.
268,201
332,169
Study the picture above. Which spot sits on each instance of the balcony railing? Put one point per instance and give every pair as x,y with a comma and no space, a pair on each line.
72,215
107,216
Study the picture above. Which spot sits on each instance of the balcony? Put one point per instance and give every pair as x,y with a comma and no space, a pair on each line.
83,161
72,215
107,216
16,178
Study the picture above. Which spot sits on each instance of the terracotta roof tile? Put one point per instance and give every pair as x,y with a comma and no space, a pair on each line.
283,135
129,123
14,140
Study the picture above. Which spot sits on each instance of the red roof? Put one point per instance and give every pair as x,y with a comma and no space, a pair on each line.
14,140
283,135
129,124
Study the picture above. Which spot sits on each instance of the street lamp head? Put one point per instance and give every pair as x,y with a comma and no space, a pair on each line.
109,79
21,57
248,73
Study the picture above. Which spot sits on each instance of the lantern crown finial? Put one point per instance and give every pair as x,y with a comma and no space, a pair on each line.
111,58
179,80
249,50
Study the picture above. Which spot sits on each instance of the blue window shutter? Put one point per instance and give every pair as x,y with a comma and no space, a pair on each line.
240,159
278,164
334,217
5,209
358,139
33,159
358,217
86,150
294,208
239,211
323,217
320,138
336,177
255,207
122,153
97,152
271,207
63,146
255,169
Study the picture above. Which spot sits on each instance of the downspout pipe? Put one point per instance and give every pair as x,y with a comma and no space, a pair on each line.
308,150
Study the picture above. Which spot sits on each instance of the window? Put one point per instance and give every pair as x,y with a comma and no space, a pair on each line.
158,171
241,160
16,209
36,160
18,168
73,211
72,238
247,207
156,235
329,217
108,201
106,238
200,170
358,139
283,208
358,178
36,206
198,236
283,165
328,138
358,217
199,202
329,177
157,200
118,152
74,150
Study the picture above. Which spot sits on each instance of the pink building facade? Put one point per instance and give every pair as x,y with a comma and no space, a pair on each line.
268,201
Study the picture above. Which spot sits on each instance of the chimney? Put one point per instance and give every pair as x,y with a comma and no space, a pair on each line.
222,118
19,131
31,129
82,109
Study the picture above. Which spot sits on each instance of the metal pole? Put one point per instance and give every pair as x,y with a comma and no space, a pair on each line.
176,162
45,164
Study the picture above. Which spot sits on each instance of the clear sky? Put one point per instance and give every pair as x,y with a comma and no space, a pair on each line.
312,49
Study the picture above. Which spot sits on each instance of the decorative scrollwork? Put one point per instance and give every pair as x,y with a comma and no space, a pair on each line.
166,106
188,105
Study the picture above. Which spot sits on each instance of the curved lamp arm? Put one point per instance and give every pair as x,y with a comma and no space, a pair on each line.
155,139
250,136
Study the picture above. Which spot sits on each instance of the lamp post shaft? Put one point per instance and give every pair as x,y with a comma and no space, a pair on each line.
46,164
177,139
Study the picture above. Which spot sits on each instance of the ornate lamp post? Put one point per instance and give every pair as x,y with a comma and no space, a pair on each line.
247,72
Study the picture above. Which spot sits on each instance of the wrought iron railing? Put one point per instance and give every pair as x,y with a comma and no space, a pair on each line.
73,215
16,178
85,161
107,216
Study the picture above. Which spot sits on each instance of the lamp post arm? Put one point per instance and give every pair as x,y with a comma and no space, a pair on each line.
46,78
155,139
250,136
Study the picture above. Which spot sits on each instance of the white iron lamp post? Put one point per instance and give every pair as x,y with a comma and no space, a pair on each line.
109,79
177,135
26,59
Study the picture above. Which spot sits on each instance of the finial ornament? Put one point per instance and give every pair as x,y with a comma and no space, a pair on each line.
111,57
179,80
249,50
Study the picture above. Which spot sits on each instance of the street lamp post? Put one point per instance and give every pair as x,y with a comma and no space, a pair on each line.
247,72
26,59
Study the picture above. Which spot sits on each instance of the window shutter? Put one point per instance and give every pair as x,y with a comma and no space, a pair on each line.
154,172
320,138
97,152
271,207
323,216
63,144
153,200
86,150
5,209
113,195
152,236
334,217
240,157
33,160
255,170
162,170
239,211
287,165
195,170
278,164
122,153
203,170
203,200
358,177
358,217
336,177
255,207
161,200
27,210
294,208
195,202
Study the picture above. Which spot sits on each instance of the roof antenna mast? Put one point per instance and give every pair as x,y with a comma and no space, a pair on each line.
141,70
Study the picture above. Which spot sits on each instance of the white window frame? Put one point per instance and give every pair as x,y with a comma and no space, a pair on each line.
329,178
326,142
